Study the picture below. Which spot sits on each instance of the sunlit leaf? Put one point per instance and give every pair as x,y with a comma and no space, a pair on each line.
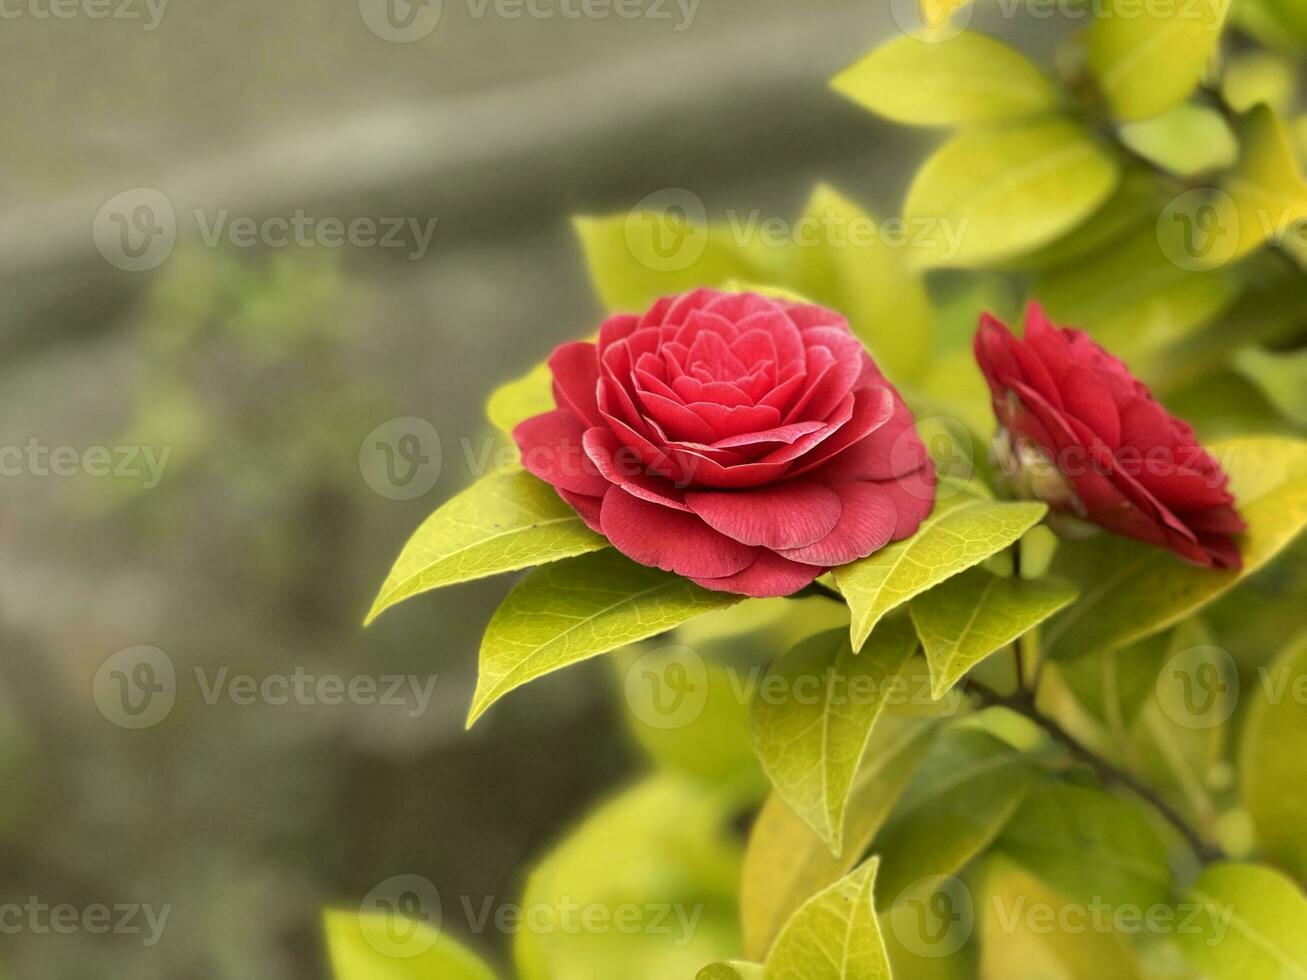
964,620
1021,939
643,889
572,610
503,522
1188,139
1150,57
1254,76
813,714
962,532
1268,191
857,265
969,79
364,946
1271,765
834,936
731,971
785,863
521,399
1007,190
1131,590
1255,925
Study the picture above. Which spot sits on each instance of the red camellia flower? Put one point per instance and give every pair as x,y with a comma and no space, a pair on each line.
746,443
1081,432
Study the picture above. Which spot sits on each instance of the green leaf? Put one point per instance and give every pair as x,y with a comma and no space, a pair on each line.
1020,939
643,889
834,936
357,943
1267,191
1131,590
1006,191
521,399
1115,686
964,620
969,79
502,523
855,266
576,609
1135,298
1189,139
1270,770
731,971
663,246
689,715
968,789
1282,377
1150,57
1255,926
813,714
1058,825
962,532
1256,76
785,863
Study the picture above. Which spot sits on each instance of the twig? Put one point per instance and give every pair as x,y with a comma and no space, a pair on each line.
1107,771
816,588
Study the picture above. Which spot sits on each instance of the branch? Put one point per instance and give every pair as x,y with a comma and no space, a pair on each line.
1107,771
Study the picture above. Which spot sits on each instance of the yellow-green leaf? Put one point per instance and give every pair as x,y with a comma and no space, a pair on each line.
1271,768
1131,590
855,265
1058,824
964,620
1188,139
1150,57
813,714
643,889
1281,377
1267,195
935,14
1255,925
1005,191
731,971
575,609
1020,938
785,863
502,523
521,399
959,802
969,79
1256,76
962,532
380,946
834,936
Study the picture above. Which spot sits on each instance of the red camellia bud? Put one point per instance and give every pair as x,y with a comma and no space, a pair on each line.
744,442
1079,431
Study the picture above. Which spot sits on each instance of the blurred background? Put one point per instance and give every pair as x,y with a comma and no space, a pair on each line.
261,265
191,398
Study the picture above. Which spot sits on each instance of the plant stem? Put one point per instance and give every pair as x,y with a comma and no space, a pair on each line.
1107,771
816,588
1018,646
